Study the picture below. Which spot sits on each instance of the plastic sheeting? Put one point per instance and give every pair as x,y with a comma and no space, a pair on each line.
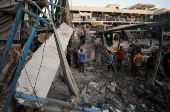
49,67
8,10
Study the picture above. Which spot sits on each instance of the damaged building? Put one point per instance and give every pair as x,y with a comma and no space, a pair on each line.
39,68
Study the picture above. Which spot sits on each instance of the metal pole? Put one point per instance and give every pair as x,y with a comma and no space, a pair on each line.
52,7
35,16
159,53
22,59
91,15
19,67
53,101
55,1
11,36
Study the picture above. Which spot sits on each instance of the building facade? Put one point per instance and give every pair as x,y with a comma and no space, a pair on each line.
111,15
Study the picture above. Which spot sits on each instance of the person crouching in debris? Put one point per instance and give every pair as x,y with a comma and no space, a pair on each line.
150,66
119,58
110,62
137,62
81,58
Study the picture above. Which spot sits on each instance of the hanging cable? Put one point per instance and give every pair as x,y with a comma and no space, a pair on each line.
41,60
29,80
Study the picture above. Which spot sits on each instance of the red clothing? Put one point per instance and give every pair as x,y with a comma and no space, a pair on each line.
120,54
167,48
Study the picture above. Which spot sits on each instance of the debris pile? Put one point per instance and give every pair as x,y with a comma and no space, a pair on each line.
9,69
118,93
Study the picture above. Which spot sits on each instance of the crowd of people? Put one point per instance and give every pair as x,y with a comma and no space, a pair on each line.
136,59
78,56
119,18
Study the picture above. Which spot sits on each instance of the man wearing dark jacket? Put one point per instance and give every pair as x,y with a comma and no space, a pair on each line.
75,54
150,64
167,64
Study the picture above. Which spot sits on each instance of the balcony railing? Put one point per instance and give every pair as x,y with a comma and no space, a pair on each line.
111,19
102,28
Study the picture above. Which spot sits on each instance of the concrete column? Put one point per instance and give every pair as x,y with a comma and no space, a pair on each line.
85,16
122,15
97,16
91,15
79,15
145,17
102,15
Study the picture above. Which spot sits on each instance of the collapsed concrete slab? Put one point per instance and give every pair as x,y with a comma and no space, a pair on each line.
49,65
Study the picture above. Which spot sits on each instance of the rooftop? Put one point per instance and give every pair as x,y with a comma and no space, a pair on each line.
141,5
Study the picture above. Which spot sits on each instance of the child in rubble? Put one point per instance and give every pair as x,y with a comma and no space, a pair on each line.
110,62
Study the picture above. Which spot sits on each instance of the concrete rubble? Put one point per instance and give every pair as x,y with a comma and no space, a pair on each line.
111,93
49,66
100,90
9,70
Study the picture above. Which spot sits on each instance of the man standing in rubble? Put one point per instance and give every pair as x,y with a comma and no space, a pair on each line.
133,53
68,56
83,35
108,40
81,58
75,54
137,62
119,58
110,62
78,50
151,42
150,64
167,64
102,39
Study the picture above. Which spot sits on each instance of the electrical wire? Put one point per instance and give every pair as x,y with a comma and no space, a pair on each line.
37,74
29,79
41,62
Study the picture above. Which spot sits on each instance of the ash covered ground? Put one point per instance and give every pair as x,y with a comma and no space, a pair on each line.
113,92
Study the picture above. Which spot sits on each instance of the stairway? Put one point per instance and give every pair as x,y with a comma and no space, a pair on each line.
79,42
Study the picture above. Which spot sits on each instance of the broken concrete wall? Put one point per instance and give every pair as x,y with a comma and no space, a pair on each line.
49,65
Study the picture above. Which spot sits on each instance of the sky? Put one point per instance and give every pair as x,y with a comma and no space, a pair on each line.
123,3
